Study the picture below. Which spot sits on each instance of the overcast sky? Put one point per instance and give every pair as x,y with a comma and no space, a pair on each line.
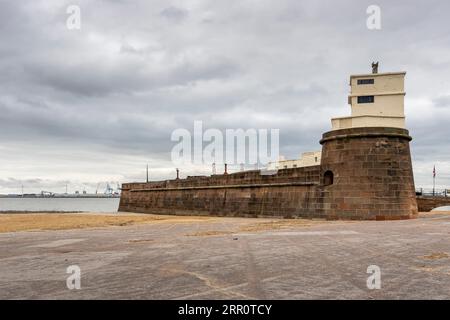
81,107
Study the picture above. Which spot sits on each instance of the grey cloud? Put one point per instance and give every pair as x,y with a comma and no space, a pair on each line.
96,78
174,13
442,101
97,104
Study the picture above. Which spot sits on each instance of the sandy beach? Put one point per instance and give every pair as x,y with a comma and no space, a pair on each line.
23,221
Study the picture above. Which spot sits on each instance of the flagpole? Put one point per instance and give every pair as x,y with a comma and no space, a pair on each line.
434,183
434,180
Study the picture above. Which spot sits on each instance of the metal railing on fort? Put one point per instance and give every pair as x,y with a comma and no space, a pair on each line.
433,193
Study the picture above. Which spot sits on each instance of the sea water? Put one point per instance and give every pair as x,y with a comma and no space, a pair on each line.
60,204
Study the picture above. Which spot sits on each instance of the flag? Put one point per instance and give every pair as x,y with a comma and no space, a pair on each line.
434,171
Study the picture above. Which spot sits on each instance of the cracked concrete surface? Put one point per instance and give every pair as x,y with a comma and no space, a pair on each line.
317,260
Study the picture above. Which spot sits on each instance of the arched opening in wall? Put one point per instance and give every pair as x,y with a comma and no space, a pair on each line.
328,178
444,208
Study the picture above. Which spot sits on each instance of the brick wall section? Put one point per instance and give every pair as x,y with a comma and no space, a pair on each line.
426,204
373,177
288,193
372,180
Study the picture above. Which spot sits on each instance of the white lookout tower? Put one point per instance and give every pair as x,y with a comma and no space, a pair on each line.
376,99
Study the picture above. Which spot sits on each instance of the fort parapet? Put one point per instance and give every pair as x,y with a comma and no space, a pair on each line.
373,177
288,193
365,172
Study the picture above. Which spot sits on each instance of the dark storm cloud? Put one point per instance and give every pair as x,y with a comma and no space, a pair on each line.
126,77
98,103
174,13
443,101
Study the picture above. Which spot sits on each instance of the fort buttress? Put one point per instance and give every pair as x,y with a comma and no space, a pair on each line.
365,171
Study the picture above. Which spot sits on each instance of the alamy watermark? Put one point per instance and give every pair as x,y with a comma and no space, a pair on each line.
74,280
235,147
374,280
73,21
373,21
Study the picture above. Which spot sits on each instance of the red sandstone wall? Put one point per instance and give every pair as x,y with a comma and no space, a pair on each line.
289,193
372,180
373,176
426,204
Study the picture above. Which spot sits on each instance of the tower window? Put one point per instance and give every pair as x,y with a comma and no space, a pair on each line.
328,178
366,99
366,81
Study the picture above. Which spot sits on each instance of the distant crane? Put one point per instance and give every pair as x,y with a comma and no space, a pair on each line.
109,189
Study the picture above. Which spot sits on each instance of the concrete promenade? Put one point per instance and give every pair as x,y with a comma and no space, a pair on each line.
232,258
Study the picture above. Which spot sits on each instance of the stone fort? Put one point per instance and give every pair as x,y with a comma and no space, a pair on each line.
364,171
